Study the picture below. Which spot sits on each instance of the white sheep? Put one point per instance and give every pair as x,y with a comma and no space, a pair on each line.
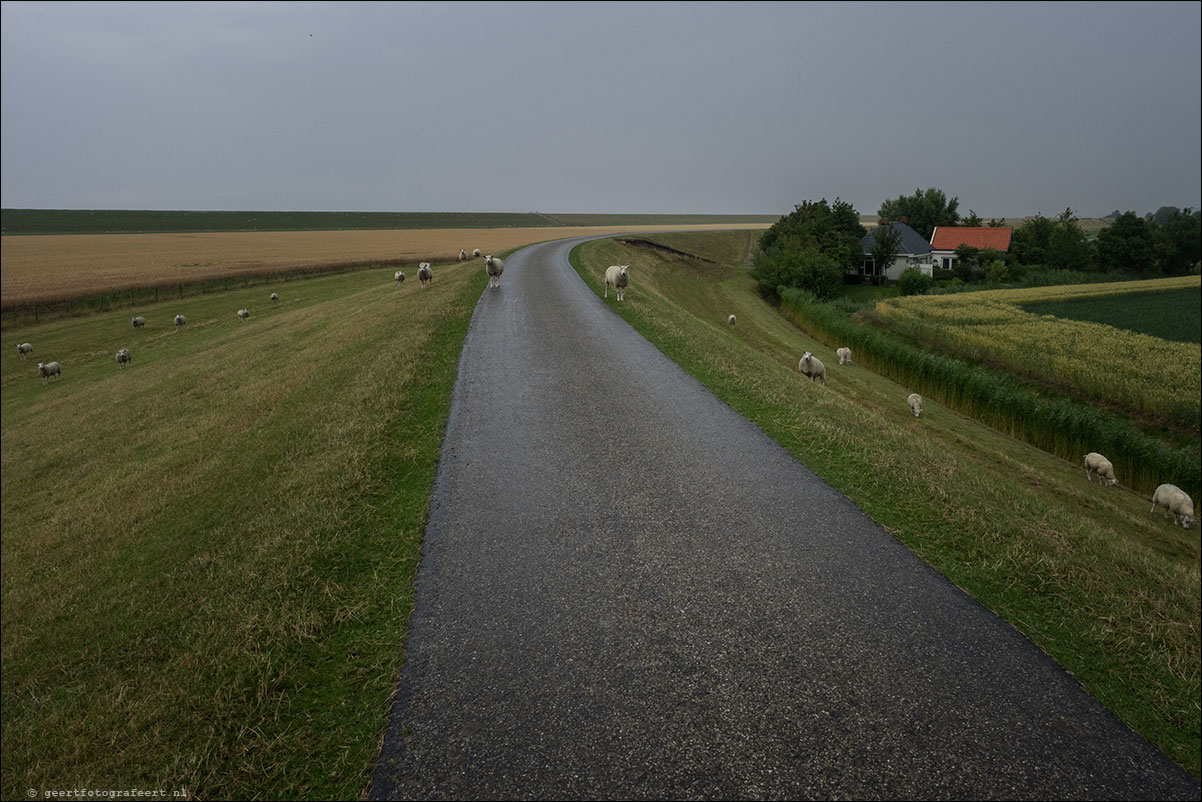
424,274
494,267
180,322
462,255
399,276
618,277
49,369
274,297
844,355
243,314
731,320
1096,463
812,366
475,253
138,322
915,402
1176,501
124,357
24,348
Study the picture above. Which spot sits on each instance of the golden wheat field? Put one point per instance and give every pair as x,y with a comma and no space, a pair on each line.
56,267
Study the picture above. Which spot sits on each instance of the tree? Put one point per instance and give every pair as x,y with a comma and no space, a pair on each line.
972,220
1163,215
1177,242
1127,244
924,210
886,242
1068,248
1030,241
832,231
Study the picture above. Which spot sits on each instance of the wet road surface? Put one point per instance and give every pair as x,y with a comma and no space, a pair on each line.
628,591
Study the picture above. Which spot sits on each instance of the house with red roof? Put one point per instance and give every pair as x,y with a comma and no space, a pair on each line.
945,240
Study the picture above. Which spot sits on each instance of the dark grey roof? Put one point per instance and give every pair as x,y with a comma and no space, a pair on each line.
912,242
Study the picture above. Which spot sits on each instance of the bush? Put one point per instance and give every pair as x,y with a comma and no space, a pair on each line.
806,269
913,282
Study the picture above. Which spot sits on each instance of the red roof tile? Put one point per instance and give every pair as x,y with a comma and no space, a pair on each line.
948,238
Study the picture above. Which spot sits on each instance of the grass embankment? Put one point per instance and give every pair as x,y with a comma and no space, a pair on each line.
1108,590
208,556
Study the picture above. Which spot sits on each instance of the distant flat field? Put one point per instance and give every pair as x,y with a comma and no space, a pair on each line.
56,267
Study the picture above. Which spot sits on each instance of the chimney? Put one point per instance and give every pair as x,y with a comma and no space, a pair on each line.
884,221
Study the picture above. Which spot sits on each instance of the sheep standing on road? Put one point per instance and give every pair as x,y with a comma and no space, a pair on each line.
243,314
138,322
915,402
424,274
24,348
462,255
180,322
731,321
399,276
1096,463
618,277
494,267
124,357
812,366
1176,501
844,355
48,369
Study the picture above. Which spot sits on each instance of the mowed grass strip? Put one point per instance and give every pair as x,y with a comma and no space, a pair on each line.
208,556
1086,573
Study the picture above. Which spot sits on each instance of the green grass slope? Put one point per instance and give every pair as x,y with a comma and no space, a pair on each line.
208,556
1108,590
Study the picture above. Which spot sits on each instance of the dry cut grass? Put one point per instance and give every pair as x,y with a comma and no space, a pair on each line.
42,269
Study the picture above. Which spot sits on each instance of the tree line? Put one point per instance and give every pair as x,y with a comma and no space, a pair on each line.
811,247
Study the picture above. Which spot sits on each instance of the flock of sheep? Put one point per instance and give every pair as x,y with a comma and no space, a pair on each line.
1170,497
124,356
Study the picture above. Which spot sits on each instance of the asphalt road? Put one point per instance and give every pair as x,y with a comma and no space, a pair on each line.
628,591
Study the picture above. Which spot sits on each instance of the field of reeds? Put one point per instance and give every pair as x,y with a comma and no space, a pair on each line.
52,269
1140,375
1107,589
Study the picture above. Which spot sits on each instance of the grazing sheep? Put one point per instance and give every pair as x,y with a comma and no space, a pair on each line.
50,369
1096,463
24,348
494,267
731,321
124,357
844,355
915,402
399,276
812,366
243,314
476,253
138,322
618,277
274,297
462,255
424,274
1176,501
180,322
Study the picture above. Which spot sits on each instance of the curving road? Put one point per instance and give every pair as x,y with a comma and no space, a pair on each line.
628,591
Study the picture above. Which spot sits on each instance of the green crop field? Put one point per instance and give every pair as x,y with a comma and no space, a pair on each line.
1173,315
208,556
1107,589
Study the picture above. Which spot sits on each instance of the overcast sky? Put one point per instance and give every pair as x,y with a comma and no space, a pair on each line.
1014,108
